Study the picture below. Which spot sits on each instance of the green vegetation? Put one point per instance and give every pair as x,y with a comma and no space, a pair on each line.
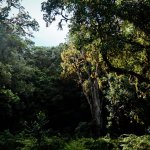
24,142
90,93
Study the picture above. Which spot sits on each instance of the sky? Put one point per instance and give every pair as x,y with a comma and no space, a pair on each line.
46,36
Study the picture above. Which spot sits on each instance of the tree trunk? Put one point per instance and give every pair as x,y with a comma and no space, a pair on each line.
95,100
96,107
94,97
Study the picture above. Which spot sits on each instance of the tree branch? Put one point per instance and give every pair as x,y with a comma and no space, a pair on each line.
124,71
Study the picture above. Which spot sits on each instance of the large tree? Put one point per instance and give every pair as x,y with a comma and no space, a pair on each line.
14,72
116,31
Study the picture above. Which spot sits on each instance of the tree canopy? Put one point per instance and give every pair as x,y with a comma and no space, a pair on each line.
91,92
106,37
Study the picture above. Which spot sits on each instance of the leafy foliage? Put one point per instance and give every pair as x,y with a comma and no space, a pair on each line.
43,90
107,37
134,142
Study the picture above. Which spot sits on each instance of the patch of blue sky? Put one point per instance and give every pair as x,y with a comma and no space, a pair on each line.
46,36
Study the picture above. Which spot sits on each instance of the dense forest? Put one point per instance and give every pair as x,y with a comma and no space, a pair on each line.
90,93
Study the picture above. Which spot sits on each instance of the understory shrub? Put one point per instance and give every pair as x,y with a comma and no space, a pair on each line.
133,142
9,141
89,144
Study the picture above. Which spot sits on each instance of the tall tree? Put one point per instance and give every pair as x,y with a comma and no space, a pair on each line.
119,36
14,72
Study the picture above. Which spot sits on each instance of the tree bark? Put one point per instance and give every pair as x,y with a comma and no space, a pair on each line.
96,107
94,97
95,100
